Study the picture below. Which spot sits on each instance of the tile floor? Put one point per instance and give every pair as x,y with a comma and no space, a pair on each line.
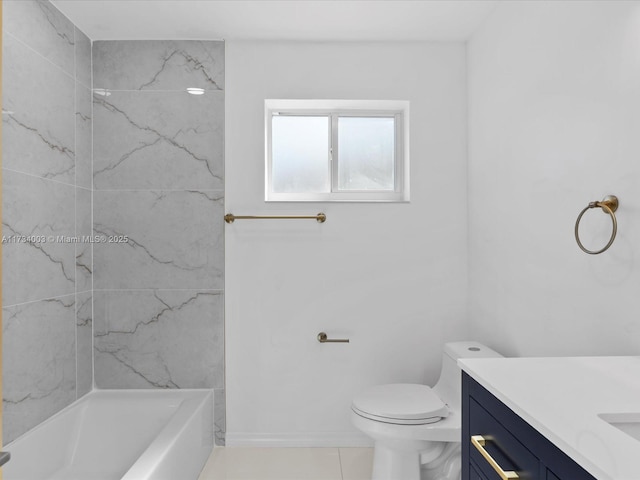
249,463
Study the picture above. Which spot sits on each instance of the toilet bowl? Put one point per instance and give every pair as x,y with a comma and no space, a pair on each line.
416,428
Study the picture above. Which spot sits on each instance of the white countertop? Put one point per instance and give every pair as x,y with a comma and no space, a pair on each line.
562,397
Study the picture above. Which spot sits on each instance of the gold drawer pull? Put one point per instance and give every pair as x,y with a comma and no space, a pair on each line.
479,441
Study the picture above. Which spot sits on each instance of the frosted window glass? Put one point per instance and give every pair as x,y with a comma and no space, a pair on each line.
300,154
366,147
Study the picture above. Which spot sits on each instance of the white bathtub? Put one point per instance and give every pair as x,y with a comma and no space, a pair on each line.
119,435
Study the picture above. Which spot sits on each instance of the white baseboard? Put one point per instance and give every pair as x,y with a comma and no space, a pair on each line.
319,439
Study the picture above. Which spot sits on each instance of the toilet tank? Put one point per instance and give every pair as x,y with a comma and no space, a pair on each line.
448,385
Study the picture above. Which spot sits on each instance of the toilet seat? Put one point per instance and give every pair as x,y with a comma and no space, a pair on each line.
401,404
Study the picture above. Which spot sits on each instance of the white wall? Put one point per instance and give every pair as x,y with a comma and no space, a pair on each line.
554,122
391,277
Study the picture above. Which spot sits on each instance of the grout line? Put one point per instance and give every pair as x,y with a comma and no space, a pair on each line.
75,194
93,322
160,189
29,47
13,305
181,90
39,177
158,290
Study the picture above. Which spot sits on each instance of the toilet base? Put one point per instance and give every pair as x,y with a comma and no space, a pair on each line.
448,466
389,464
392,464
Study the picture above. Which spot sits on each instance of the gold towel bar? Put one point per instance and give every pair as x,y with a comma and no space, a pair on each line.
230,217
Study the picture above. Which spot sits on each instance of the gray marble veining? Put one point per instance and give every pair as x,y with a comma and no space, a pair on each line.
83,58
39,346
158,179
174,239
158,339
46,152
39,131
83,124
169,140
37,207
83,248
158,169
158,65
84,343
40,25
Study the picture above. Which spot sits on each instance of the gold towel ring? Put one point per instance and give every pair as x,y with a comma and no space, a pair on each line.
609,204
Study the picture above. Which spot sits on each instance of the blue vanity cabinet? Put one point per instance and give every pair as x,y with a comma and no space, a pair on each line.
509,441
473,473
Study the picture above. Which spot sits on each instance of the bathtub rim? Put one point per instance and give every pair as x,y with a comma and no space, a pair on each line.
86,397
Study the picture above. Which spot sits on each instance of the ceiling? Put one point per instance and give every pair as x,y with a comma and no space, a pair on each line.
301,20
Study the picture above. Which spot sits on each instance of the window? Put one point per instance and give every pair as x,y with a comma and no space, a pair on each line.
337,150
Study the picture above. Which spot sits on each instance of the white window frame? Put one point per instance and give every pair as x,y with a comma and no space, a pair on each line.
335,108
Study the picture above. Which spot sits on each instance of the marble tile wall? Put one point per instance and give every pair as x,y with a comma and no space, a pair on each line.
158,158
46,152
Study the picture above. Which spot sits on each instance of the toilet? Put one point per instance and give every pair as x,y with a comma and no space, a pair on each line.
416,428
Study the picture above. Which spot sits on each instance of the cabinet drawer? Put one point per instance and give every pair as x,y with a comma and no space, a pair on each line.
551,476
500,444
474,475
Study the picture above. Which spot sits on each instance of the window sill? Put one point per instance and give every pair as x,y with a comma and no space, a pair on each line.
349,197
